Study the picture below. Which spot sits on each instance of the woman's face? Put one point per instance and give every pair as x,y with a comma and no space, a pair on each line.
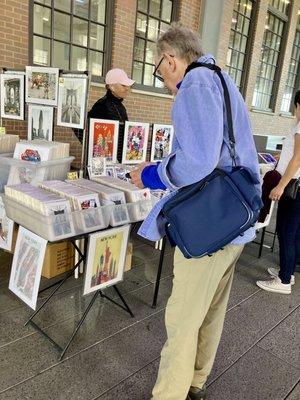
119,90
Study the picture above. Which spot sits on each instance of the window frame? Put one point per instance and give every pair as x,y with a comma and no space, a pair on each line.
174,17
108,35
286,19
297,80
249,45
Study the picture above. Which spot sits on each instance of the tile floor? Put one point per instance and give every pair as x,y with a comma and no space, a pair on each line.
115,357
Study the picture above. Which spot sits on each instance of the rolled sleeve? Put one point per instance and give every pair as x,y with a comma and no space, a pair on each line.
198,126
151,179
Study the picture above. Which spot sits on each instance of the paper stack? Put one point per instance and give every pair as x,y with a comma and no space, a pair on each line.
141,197
36,152
8,143
41,150
81,199
120,213
46,203
132,193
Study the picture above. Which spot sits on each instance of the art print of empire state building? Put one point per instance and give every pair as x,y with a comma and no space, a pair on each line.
106,268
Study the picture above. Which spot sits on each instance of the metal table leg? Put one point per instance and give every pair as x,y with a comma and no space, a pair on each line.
159,271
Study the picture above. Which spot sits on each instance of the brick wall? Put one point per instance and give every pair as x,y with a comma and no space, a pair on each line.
189,13
225,32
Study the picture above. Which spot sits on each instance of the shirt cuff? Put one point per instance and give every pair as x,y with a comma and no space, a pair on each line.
151,179
163,172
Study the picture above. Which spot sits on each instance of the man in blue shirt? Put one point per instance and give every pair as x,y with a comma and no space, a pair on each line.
196,309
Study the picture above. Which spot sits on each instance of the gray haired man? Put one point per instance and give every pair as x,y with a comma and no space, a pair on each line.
196,309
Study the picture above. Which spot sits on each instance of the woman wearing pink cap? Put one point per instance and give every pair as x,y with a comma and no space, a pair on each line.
110,106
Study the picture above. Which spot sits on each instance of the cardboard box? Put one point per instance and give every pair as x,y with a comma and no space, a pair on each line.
128,259
14,239
59,258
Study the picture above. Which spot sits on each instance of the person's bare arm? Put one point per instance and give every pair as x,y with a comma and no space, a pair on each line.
292,168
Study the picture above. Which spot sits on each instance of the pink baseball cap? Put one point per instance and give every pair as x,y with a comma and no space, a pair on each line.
117,75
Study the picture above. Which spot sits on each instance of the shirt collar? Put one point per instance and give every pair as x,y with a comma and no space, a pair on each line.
207,59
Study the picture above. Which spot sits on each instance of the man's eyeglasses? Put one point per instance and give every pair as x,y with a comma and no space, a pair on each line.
155,74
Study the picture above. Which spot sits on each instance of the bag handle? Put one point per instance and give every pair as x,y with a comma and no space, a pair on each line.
218,70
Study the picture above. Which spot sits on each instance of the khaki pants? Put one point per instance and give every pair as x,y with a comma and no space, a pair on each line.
194,321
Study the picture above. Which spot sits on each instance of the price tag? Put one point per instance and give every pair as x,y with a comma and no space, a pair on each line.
72,176
2,130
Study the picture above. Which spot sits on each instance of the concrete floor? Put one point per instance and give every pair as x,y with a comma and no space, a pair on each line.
115,356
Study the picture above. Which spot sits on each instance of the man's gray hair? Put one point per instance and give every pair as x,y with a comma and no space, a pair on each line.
181,42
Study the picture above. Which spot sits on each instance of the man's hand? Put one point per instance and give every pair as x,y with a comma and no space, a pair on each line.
276,193
136,174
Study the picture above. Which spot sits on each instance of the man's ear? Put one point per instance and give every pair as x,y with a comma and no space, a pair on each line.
171,61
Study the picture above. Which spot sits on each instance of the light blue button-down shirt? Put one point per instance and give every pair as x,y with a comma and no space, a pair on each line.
201,140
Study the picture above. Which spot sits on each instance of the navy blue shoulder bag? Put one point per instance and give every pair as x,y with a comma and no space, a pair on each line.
207,215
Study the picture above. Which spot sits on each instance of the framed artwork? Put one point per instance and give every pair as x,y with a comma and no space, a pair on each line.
27,266
103,139
6,228
72,92
135,142
12,95
42,85
106,258
40,122
161,142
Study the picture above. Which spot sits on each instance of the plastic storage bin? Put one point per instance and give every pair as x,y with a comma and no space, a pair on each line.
14,171
61,226
139,210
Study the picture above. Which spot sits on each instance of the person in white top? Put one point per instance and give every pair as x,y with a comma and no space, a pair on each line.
288,214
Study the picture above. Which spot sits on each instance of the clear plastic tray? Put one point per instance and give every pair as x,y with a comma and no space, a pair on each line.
139,210
61,226
14,171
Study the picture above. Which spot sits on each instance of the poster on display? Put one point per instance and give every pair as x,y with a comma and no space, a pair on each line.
135,142
27,266
42,85
161,142
103,139
40,122
12,95
72,92
6,228
106,258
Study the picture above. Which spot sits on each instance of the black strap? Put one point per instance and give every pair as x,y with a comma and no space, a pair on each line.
218,70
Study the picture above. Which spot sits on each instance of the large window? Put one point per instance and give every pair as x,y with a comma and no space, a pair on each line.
153,18
239,40
268,74
280,5
293,79
71,34
293,76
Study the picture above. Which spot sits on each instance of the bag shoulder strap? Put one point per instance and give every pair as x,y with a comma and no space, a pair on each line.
218,70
